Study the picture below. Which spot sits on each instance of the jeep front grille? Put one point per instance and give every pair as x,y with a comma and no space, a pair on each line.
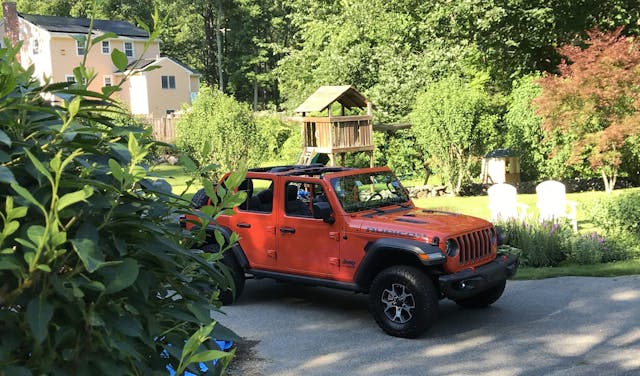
474,246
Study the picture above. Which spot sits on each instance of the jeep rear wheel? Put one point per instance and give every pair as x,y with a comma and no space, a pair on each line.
485,298
227,295
403,301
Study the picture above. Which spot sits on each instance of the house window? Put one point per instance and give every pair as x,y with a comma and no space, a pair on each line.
79,48
35,46
72,79
128,49
107,81
168,82
106,47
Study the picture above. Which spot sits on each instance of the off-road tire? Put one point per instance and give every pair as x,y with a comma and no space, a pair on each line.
199,199
485,298
403,301
227,296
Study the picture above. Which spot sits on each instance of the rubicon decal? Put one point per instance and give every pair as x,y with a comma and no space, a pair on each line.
395,232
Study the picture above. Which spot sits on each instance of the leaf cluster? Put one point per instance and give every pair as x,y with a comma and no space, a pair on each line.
219,130
96,275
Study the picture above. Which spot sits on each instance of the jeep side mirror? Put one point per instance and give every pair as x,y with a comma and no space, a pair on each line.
322,210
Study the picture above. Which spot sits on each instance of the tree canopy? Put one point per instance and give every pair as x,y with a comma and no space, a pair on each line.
595,100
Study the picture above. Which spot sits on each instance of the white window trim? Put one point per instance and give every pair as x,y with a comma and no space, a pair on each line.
124,49
168,82
73,79
105,78
108,47
78,48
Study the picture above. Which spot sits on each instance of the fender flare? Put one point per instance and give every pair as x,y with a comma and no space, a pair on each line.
381,248
236,250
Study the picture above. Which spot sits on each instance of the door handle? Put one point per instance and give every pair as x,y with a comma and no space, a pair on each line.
244,225
287,230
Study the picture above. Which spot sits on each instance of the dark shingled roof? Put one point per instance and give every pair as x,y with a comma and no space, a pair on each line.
501,153
81,25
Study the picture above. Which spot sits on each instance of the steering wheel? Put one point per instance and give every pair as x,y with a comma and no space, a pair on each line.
374,195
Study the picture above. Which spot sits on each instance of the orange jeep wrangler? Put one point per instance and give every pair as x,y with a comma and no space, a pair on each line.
357,229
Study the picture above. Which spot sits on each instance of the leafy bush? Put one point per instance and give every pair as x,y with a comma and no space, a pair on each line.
541,244
96,276
219,130
292,147
273,133
403,157
618,215
586,249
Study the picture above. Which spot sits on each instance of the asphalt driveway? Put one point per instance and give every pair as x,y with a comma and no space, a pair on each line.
559,326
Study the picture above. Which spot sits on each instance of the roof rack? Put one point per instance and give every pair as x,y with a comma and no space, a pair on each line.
311,169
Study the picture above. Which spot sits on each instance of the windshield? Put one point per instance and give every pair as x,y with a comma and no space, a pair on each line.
369,191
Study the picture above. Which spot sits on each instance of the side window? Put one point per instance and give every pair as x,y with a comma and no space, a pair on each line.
128,49
79,48
259,195
35,46
300,197
168,82
106,47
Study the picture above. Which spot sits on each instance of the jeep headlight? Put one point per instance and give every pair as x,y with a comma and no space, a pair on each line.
452,248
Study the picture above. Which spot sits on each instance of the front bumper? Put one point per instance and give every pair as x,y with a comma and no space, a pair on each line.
469,282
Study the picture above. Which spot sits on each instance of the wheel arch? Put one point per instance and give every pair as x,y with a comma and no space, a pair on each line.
236,250
385,252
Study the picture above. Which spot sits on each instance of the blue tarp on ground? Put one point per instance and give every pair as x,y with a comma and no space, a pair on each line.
224,346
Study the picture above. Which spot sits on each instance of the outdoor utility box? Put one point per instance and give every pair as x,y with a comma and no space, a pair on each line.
500,166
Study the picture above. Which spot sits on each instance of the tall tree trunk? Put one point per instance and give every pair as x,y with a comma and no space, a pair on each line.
609,180
255,90
219,43
209,54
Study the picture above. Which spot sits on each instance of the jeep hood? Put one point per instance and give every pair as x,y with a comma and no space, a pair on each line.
421,223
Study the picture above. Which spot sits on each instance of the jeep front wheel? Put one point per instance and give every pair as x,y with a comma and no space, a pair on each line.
403,301
230,294
485,298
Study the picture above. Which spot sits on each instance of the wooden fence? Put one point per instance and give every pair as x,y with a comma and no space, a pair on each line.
163,128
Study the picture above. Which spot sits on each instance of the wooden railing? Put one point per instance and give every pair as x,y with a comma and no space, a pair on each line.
337,134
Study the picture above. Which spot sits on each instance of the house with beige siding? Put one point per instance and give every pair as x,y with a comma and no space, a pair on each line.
49,45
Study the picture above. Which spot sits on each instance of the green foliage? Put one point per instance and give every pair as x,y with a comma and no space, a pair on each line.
618,215
273,133
402,155
225,125
586,249
453,125
96,275
292,147
539,244
523,132
592,103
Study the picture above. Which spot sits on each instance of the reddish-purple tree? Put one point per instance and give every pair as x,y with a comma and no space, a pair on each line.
595,100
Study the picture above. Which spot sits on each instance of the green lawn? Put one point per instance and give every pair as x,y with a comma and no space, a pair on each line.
176,176
478,206
475,206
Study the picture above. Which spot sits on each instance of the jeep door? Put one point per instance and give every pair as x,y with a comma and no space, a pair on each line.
255,222
305,245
